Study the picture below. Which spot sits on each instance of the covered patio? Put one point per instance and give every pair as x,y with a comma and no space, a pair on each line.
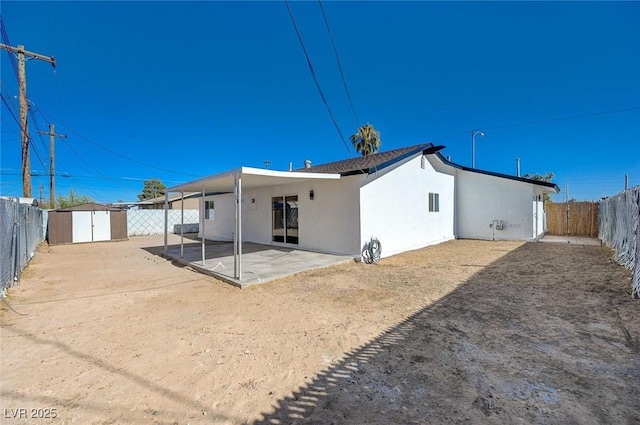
239,262
260,263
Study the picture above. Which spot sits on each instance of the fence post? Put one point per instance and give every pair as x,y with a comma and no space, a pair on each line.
16,223
26,235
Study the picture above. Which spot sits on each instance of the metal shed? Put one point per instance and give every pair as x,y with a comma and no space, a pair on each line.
86,223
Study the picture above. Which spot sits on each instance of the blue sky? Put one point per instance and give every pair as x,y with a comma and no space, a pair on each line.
182,90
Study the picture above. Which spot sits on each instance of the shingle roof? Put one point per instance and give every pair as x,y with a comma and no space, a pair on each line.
377,161
367,164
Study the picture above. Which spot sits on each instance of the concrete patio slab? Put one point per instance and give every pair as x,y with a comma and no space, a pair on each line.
260,263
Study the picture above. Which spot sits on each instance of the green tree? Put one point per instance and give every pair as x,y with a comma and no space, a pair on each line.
542,178
366,140
73,199
152,189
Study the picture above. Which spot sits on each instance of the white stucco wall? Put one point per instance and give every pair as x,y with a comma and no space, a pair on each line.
222,226
482,199
395,207
328,223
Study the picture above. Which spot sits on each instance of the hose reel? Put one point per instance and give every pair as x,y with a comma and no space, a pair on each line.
372,251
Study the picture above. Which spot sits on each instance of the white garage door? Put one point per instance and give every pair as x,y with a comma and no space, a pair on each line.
101,226
81,226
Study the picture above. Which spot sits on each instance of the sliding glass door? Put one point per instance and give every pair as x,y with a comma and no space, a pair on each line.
284,220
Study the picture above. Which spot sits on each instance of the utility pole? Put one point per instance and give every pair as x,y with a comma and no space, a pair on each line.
22,83
52,186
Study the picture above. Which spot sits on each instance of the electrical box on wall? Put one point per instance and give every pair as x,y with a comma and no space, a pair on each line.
497,225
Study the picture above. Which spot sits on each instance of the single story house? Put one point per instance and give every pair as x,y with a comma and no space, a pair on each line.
406,198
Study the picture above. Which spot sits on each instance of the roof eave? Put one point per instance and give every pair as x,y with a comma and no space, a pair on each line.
553,186
422,149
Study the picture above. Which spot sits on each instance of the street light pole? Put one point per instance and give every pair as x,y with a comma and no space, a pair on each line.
473,146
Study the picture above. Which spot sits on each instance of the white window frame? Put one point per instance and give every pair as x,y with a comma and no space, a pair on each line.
209,213
434,202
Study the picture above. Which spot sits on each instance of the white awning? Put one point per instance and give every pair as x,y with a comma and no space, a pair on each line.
251,178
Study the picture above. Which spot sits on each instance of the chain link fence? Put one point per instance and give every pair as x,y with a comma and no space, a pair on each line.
22,229
620,230
151,222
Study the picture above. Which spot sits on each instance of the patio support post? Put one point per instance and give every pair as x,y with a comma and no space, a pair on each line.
166,219
237,235
182,224
204,218
235,230
240,226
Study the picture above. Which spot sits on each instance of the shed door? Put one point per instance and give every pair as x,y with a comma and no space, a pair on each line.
81,226
101,226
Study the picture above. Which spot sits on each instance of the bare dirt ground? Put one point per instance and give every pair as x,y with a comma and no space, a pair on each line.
463,332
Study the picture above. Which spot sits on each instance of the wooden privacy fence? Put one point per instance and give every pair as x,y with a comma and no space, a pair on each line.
572,218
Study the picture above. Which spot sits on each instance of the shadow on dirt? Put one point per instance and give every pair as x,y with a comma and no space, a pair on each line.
519,342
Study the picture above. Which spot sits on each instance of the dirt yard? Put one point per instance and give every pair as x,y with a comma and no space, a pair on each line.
463,332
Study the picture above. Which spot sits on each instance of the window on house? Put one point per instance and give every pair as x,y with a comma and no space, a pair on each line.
208,210
434,202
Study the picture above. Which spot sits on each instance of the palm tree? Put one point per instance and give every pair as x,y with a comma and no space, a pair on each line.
366,140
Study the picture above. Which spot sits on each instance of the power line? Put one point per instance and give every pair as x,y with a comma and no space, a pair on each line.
70,130
29,111
24,108
335,51
29,138
9,108
38,132
5,40
616,111
35,150
16,172
452,136
561,119
315,78
14,65
90,165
